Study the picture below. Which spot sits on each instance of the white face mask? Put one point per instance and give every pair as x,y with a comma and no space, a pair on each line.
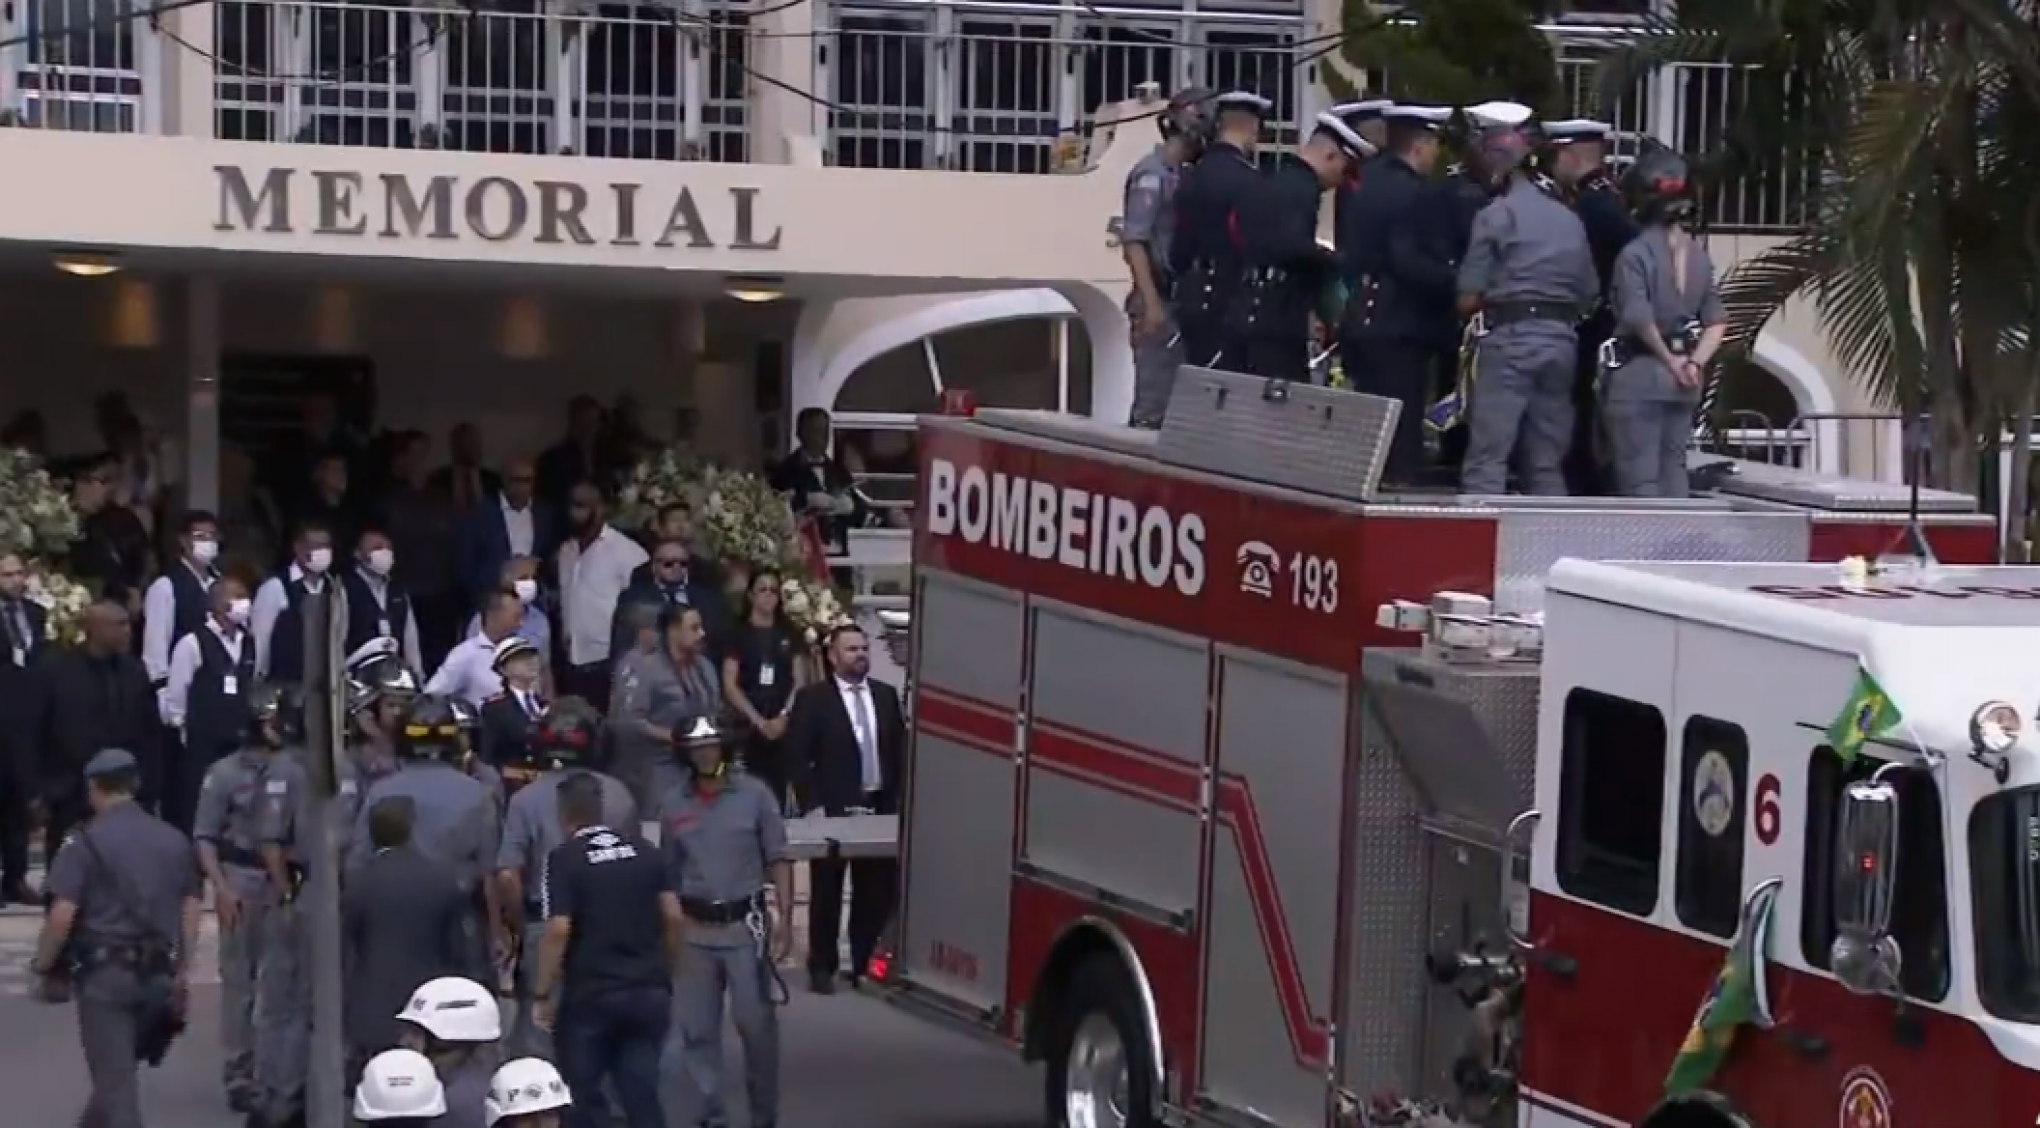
205,550
318,560
238,611
381,560
527,590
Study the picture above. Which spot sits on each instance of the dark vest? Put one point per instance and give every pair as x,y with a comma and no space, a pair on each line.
215,721
287,634
368,620
194,600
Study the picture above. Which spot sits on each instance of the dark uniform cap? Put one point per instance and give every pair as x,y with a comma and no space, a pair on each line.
568,731
1189,112
110,761
1658,185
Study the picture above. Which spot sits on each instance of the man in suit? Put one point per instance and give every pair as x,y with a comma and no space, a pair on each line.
512,523
845,737
96,696
818,484
22,622
464,480
404,920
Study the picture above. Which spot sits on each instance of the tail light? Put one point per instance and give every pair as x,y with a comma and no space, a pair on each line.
879,967
959,401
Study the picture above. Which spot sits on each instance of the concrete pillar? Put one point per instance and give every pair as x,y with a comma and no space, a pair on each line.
202,392
188,88
782,48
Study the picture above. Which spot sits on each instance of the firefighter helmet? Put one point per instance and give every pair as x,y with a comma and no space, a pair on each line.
431,730
1189,114
1658,186
567,734
278,709
376,671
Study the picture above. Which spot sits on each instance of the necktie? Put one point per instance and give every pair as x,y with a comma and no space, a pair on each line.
867,736
532,708
20,637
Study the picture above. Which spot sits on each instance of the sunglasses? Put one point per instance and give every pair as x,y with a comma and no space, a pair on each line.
670,563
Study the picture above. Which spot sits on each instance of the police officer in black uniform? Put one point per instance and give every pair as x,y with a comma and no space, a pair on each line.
1287,269
1205,257
122,927
1575,156
1396,265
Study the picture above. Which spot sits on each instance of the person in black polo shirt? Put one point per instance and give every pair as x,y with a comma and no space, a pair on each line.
205,697
279,619
377,605
176,603
612,936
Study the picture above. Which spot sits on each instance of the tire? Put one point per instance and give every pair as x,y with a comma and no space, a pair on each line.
1100,1019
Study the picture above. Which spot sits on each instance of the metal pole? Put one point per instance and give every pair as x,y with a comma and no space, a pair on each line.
325,621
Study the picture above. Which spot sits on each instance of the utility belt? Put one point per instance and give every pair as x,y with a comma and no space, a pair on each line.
146,958
703,911
1497,314
240,856
1204,286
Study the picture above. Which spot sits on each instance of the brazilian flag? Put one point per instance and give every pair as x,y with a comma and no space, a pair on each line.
1868,714
1736,999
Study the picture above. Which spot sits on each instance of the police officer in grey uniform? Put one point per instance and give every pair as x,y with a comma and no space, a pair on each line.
123,923
1147,223
1670,324
561,745
457,820
662,693
379,690
287,841
1529,274
232,802
725,845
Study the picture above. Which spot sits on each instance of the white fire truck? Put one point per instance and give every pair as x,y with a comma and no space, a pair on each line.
1191,822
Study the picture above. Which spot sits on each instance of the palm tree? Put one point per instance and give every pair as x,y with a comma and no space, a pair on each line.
1921,237
1448,52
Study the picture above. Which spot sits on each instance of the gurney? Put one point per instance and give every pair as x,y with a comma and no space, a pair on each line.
843,836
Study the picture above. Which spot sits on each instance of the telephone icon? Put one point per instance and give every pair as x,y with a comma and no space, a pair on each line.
1258,565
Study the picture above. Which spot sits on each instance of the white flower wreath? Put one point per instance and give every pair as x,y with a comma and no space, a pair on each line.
38,524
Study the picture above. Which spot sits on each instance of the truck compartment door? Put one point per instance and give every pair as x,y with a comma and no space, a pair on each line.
958,835
1271,934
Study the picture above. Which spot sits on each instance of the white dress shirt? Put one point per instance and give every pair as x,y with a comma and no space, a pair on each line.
468,673
591,579
406,631
517,525
863,710
185,659
270,601
159,621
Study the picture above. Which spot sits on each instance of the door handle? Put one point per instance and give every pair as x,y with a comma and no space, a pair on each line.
1805,1043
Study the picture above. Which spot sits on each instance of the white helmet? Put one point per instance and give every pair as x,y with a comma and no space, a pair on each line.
399,1084
523,1087
453,1009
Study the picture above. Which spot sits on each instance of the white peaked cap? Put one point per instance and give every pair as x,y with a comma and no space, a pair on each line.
1373,107
1578,129
1243,100
1433,116
1498,115
382,646
1349,138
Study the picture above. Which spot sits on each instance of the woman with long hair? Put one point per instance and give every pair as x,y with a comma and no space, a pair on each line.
760,671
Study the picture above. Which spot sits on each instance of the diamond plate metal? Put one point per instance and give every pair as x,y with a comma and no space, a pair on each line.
1529,542
1322,440
1386,983
1794,486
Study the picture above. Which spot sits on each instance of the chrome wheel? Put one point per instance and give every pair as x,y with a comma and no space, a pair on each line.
1094,1076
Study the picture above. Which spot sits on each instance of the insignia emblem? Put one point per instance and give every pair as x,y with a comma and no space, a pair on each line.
1713,794
1866,1103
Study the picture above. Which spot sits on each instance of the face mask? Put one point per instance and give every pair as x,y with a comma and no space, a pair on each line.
238,611
381,560
205,550
318,560
527,590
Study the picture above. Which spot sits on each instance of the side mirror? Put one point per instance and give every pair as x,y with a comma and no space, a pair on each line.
1516,879
1864,956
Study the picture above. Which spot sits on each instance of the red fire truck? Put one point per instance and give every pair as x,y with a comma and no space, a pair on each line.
1194,824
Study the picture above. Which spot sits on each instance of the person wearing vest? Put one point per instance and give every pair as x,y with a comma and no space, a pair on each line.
176,604
377,605
278,625
205,698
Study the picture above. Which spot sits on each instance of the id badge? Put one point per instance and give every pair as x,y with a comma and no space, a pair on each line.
20,656
382,627
767,674
230,685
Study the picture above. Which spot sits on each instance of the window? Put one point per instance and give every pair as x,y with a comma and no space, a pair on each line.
1714,769
2004,855
1919,912
1611,801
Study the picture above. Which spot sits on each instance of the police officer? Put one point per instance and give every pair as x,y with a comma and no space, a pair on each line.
660,696
1395,263
232,802
123,923
1287,269
287,840
1529,274
560,748
1147,223
471,761
1576,157
1451,207
1670,324
456,821
725,847
380,688
1204,257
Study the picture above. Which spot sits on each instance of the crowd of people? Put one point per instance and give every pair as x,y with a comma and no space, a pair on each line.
521,707
1538,323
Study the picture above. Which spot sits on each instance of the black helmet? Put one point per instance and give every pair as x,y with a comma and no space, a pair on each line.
1658,186
567,734
371,676
1188,114
282,707
431,730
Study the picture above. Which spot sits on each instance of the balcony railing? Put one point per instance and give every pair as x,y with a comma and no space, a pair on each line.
972,85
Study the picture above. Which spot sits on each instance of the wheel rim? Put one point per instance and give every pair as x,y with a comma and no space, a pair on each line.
1095,1084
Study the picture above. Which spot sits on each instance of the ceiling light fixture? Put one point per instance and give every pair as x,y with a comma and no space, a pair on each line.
86,265
755,289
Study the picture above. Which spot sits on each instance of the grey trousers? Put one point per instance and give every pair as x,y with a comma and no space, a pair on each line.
708,975
1156,358
283,1013
242,951
1647,442
111,1005
1522,391
525,1038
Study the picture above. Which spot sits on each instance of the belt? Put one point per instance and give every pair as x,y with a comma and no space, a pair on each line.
238,856
144,957
1515,313
703,911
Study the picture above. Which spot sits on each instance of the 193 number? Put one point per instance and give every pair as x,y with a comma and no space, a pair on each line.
1770,818
1314,583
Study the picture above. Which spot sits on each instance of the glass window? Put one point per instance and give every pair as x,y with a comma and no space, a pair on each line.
1611,801
2004,856
1714,763
896,381
1919,914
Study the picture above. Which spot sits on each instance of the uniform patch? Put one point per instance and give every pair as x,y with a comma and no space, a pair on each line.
1866,1103
1713,793
276,787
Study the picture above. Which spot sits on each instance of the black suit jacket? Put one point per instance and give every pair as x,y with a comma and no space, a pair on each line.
403,921
90,704
824,764
506,731
485,544
21,689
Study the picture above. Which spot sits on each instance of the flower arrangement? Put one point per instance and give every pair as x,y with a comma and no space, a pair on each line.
38,524
65,600
743,518
665,478
812,608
